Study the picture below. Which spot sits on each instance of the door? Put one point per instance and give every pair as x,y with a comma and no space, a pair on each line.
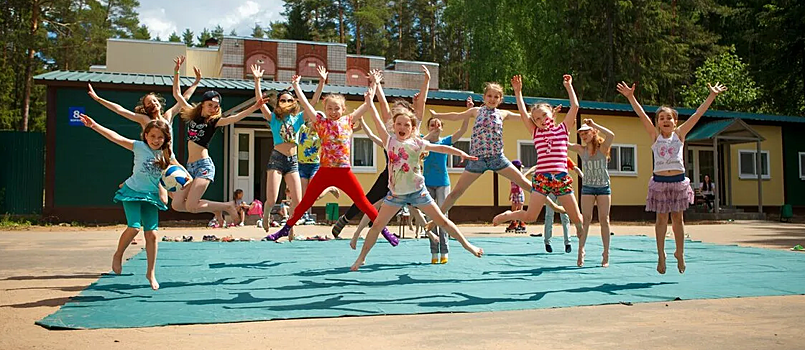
243,166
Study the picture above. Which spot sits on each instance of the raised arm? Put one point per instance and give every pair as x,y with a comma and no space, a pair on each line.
375,77
310,113
177,93
570,117
608,134
319,88
517,84
449,150
628,92
369,132
257,72
461,130
472,112
173,111
382,133
108,134
243,114
141,119
419,104
685,128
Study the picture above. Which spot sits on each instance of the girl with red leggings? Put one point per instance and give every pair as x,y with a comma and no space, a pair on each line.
335,131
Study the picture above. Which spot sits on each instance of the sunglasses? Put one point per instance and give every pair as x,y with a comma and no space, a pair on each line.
286,100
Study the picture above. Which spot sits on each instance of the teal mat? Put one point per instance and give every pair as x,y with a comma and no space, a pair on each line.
254,281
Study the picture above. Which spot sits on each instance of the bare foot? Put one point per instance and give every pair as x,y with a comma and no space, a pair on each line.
291,235
219,217
498,219
580,258
353,243
266,223
478,252
356,265
153,281
117,263
680,262
661,264
605,260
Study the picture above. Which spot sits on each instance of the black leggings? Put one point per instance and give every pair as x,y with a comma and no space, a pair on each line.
379,190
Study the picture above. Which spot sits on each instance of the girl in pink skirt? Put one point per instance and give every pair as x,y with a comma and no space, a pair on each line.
669,190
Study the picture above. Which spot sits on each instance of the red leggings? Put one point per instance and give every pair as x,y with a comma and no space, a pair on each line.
342,178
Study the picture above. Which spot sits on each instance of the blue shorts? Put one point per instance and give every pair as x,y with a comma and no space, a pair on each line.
141,215
421,197
307,170
202,169
282,163
595,191
483,164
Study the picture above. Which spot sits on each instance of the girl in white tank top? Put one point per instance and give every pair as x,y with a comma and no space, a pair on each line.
669,192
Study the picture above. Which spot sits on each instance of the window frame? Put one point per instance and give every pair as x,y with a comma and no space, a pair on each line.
801,161
362,169
520,143
743,176
450,168
632,173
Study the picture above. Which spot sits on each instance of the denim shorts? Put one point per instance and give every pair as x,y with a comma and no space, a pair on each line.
282,163
421,197
483,164
547,183
595,191
202,169
307,170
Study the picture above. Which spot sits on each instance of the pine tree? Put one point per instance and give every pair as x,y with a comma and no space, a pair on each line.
174,38
187,37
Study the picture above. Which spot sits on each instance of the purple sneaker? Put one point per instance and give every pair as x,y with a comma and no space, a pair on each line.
283,232
393,240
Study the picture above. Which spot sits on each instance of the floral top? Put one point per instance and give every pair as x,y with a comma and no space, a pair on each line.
309,145
336,140
405,169
487,133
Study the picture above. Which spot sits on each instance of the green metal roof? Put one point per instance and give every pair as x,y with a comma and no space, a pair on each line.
712,129
435,95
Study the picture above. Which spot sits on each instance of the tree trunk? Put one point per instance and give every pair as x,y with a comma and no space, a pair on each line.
26,97
433,34
341,37
399,30
610,51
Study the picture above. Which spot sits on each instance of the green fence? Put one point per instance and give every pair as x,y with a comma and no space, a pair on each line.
22,172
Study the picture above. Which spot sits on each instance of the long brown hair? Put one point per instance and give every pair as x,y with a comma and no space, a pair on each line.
194,112
140,108
283,113
595,143
163,161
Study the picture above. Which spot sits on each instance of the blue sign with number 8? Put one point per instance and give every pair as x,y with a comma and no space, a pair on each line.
75,113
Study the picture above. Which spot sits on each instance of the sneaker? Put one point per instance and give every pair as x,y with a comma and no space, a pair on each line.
241,224
548,248
342,221
212,223
283,232
260,223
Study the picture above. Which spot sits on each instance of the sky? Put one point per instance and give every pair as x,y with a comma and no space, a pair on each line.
166,16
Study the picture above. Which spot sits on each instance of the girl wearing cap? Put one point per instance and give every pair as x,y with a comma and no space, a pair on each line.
595,190
202,120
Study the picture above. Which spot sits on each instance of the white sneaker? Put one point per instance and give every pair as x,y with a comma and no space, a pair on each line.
260,223
241,224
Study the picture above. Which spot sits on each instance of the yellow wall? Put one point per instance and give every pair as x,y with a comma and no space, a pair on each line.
744,192
207,60
145,57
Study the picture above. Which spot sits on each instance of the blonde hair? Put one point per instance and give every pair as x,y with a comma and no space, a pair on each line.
194,112
541,105
337,98
164,160
674,115
494,87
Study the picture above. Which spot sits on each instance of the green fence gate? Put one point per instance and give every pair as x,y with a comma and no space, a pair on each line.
22,173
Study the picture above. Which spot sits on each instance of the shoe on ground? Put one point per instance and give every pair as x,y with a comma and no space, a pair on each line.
548,248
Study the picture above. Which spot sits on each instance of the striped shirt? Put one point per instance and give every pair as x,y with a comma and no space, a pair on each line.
551,146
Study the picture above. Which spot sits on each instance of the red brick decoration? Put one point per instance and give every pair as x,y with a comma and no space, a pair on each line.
357,77
263,60
307,66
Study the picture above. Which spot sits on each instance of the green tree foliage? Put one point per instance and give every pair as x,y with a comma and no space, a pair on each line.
187,37
726,68
174,38
201,38
258,32
218,33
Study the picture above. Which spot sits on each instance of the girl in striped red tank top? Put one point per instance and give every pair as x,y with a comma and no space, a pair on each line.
550,141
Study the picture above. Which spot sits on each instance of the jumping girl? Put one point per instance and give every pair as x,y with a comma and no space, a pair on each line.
669,190
406,183
550,141
202,121
140,193
335,130
595,189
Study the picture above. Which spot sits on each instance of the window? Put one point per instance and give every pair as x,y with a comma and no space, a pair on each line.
802,165
747,164
311,81
363,154
455,162
526,153
622,160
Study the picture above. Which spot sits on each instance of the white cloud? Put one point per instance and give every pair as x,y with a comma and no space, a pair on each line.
164,17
